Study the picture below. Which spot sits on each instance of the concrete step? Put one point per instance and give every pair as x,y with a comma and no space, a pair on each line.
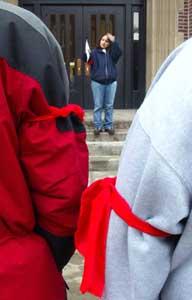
99,175
118,124
119,135
98,148
102,163
122,118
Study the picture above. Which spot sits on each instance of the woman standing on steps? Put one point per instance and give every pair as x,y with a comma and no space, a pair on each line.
103,60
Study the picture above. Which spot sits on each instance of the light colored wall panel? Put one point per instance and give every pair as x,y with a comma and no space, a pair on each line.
162,33
12,1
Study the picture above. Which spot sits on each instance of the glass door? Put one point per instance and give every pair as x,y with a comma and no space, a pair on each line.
65,22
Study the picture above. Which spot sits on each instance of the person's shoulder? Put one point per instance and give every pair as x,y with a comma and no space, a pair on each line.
94,50
27,21
24,19
20,13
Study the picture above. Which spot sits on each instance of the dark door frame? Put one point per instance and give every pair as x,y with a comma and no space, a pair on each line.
133,102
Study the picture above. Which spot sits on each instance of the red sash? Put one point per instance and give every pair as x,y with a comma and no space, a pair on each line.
97,202
55,112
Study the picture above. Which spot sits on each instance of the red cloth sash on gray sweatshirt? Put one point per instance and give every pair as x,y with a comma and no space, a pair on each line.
97,202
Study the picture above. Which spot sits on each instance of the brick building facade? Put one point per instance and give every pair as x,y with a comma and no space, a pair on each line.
185,19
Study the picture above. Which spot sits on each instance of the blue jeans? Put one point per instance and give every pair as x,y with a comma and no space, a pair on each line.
103,96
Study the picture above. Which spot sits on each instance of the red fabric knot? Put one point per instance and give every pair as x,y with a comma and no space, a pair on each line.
96,204
55,112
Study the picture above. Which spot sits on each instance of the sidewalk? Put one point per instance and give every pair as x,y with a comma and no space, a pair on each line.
72,274
119,115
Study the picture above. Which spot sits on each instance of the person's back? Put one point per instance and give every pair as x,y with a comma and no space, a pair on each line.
40,160
146,253
154,177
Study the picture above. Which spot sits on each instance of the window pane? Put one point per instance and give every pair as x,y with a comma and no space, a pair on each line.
112,24
62,33
52,24
72,37
102,25
136,26
93,31
136,44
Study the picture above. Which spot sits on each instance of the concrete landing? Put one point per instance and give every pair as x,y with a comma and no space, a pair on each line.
72,274
122,118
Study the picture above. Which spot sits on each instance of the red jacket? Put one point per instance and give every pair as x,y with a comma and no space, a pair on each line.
43,159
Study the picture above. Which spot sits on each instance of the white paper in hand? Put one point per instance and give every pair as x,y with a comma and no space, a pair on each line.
87,49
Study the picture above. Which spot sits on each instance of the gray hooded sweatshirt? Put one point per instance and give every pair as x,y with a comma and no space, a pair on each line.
155,177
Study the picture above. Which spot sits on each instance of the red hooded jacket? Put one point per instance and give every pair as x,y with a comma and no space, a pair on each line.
43,157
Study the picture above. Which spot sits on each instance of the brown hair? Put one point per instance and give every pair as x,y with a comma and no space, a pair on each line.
99,40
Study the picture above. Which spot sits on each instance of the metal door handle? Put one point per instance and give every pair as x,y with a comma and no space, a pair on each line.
78,67
87,70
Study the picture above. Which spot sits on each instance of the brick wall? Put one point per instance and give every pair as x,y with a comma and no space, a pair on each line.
185,19
190,17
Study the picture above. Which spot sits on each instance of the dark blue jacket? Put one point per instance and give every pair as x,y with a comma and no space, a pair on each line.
103,65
